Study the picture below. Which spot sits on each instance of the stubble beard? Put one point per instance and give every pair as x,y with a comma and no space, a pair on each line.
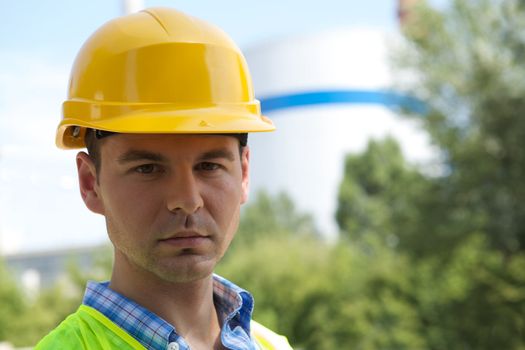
147,258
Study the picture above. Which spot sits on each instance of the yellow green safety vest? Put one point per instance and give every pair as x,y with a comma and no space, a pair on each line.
88,329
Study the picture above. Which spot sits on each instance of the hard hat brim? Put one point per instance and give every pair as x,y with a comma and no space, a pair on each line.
211,120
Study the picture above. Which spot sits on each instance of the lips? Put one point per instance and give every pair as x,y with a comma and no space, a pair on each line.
186,239
184,234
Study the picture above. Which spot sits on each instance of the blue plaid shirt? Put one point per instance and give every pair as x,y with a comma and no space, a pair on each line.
234,307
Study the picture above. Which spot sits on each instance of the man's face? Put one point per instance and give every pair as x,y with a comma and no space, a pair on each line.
171,202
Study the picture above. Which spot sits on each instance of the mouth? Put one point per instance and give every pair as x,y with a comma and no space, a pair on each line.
185,239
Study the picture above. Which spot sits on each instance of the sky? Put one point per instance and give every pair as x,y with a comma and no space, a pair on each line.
40,207
57,28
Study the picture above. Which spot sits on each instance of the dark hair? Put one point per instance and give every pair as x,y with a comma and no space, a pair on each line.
93,148
92,140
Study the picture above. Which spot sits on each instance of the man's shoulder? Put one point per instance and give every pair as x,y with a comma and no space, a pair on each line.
87,329
66,335
268,339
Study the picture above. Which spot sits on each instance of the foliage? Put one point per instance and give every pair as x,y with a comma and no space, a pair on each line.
11,301
459,294
272,217
468,63
327,296
462,231
24,321
38,317
473,300
378,195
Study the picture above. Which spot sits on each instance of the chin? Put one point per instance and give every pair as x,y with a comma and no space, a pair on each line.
185,272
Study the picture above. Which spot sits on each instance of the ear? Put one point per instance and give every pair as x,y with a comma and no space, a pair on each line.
87,179
245,166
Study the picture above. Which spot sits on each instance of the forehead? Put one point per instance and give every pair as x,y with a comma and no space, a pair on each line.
168,144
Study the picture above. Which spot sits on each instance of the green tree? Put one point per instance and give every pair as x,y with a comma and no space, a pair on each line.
459,291
40,316
378,196
468,61
273,216
473,300
463,230
322,296
11,301
328,296
29,320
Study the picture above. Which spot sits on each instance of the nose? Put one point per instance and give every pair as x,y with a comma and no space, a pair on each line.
184,193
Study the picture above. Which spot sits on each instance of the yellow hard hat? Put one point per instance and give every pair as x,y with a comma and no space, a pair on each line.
159,71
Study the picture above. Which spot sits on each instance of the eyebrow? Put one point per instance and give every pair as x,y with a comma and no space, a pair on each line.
135,155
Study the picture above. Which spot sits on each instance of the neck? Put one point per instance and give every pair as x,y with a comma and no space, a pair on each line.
187,306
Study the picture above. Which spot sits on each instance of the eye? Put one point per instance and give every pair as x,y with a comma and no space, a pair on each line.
208,166
147,169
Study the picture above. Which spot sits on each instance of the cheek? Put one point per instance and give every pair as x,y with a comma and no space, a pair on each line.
132,208
223,203
226,217
234,224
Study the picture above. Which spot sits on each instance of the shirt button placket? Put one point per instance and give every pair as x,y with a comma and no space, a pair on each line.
173,346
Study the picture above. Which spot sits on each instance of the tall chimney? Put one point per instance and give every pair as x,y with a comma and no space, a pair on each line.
132,6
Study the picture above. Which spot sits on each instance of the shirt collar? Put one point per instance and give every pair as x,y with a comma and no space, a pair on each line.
234,304
234,307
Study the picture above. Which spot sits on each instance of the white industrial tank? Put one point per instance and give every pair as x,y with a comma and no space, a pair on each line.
328,94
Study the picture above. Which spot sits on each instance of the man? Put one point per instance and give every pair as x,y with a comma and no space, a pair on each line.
163,102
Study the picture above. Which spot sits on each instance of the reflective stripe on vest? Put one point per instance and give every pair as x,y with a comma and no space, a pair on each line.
268,340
